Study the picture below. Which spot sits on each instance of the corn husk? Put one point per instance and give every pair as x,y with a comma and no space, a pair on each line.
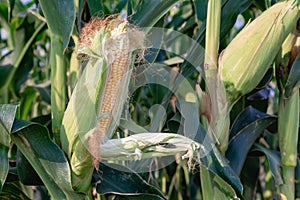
98,98
149,145
247,58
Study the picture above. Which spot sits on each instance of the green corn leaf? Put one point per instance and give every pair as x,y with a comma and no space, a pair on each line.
95,7
60,16
15,191
46,158
149,12
293,81
7,115
241,142
249,176
273,160
220,188
26,172
133,187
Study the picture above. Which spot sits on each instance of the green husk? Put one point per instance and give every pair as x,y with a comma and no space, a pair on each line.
247,58
81,136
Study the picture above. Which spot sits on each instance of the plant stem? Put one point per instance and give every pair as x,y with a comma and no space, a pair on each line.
23,53
4,90
4,95
58,85
213,33
219,119
288,119
287,190
206,185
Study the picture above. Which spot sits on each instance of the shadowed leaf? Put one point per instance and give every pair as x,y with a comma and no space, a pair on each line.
252,123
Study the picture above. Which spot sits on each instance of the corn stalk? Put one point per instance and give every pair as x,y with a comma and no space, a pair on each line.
217,122
218,117
246,59
60,17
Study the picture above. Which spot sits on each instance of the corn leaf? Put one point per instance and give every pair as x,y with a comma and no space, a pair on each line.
293,81
218,165
46,158
274,161
7,116
241,142
60,15
95,7
149,12
133,186
220,188
26,172
5,70
230,11
249,176
131,126
14,191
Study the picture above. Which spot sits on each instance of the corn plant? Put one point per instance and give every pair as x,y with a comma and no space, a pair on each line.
153,99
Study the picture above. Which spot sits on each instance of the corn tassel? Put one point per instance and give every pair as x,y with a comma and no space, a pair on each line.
247,58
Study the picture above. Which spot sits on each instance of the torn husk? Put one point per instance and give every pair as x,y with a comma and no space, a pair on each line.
149,145
116,41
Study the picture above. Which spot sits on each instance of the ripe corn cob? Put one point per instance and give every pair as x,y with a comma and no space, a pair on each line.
118,55
119,67
247,58
116,49
98,98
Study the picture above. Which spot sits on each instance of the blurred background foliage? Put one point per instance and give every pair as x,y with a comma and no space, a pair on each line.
25,79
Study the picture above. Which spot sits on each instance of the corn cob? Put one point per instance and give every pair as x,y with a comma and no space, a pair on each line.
98,98
247,58
119,67
116,49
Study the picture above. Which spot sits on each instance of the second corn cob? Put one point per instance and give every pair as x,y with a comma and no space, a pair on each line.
247,58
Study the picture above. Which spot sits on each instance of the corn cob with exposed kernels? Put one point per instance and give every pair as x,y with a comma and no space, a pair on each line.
116,49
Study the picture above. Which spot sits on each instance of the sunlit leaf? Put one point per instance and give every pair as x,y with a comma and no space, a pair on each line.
60,17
